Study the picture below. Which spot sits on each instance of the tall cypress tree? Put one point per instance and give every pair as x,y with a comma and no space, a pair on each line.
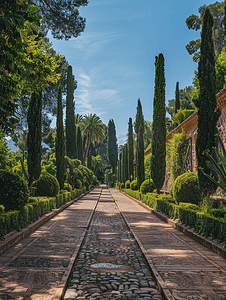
70,117
120,167
140,157
60,143
207,116
79,144
126,165
112,145
158,159
34,148
139,128
177,98
130,150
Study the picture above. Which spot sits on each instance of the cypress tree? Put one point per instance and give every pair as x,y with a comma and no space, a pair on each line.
112,145
79,144
140,157
70,117
130,144
158,159
60,143
139,118
120,167
126,165
177,98
34,148
139,129
89,160
207,116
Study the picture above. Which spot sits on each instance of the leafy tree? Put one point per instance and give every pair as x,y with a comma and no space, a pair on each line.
130,150
147,133
97,164
13,18
70,117
79,144
206,103
62,17
112,145
194,22
60,144
93,130
182,115
6,158
139,129
158,159
34,147
177,97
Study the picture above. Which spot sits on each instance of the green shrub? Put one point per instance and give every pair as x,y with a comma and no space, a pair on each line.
47,185
117,185
67,187
78,184
33,199
186,188
127,184
122,185
146,187
13,191
133,185
2,209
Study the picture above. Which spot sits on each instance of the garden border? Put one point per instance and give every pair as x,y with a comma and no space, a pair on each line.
17,236
207,242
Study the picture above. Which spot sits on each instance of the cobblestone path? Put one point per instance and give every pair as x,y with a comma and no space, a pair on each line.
37,267
110,265
185,269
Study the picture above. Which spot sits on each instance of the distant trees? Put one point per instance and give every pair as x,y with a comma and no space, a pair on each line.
112,146
70,117
130,150
206,103
158,159
60,143
34,147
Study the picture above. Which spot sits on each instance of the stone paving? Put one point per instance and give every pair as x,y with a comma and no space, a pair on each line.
184,268
110,264
37,267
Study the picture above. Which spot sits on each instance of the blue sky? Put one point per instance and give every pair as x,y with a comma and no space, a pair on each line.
113,59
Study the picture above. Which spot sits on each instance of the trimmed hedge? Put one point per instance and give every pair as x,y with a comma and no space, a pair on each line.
47,185
133,185
147,186
16,220
205,224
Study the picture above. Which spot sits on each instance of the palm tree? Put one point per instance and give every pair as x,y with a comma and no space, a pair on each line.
93,130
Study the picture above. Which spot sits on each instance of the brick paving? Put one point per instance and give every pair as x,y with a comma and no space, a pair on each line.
39,265
184,268
110,264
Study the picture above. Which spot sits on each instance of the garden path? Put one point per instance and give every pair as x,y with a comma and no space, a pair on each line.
38,266
183,268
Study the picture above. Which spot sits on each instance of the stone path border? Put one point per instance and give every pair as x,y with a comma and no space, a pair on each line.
210,244
15,237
